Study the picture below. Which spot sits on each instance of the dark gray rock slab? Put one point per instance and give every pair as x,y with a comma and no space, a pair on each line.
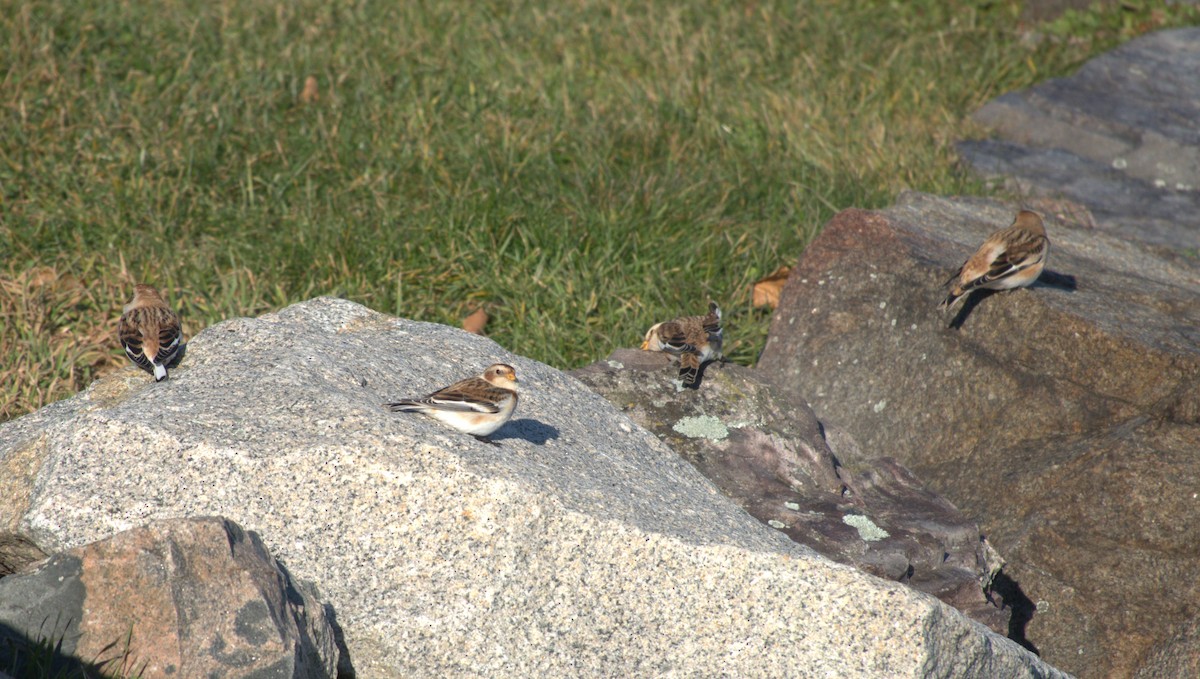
1121,136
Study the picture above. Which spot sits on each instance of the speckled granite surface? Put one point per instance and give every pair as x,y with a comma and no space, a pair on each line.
579,546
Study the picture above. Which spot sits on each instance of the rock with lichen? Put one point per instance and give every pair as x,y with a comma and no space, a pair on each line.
764,448
580,545
1063,417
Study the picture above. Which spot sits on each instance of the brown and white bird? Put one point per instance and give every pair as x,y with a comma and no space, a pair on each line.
477,405
696,340
1009,258
150,332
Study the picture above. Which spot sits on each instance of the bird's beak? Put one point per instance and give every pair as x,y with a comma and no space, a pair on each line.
645,345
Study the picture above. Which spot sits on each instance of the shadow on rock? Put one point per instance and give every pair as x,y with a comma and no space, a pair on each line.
1054,279
42,654
1048,279
973,299
526,429
184,580
1010,596
345,666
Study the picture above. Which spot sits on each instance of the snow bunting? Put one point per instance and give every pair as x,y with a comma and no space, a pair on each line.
696,340
1010,258
477,405
150,332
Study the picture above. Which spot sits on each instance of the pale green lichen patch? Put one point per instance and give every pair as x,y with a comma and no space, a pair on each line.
703,426
114,388
616,365
369,320
867,530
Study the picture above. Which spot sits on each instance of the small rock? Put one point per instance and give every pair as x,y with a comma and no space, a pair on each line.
182,597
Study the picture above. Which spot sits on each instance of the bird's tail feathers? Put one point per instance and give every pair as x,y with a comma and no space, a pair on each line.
689,368
712,323
951,301
688,375
160,372
406,406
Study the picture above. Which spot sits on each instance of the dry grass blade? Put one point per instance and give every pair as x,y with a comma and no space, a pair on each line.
58,336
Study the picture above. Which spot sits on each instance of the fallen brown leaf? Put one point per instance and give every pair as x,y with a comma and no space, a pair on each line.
475,322
765,292
310,93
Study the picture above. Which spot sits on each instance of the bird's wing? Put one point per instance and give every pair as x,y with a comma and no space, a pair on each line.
674,337
131,340
1002,255
1018,256
135,354
472,394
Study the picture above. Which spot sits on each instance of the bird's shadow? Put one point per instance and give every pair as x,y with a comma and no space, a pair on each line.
973,299
695,386
526,429
1054,279
1012,597
178,356
1048,279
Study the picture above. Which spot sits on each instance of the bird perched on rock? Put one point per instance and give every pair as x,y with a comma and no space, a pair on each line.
696,340
1010,258
150,332
477,405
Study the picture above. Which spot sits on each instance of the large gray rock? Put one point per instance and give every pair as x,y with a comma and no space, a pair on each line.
1120,136
180,597
581,545
764,448
1063,417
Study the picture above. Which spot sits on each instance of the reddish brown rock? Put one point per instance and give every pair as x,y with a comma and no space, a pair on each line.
1179,657
764,448
1062,417
194,597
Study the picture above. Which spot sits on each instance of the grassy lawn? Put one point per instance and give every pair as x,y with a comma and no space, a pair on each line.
579,168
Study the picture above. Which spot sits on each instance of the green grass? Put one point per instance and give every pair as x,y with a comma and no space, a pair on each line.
582,168
42,657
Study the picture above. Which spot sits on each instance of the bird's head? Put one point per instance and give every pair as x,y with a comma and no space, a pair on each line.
501,375
652,341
